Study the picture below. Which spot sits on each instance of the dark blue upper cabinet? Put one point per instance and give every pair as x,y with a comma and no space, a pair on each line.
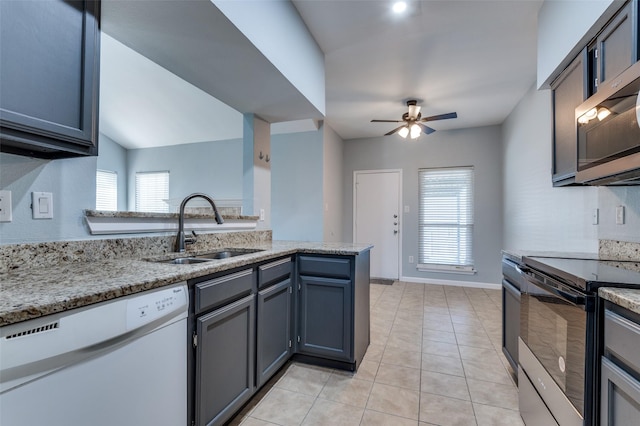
49,77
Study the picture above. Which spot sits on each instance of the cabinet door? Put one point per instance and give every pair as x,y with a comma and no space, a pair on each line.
224,361
568,93
616,46
325,317
274,330
620,396
49,66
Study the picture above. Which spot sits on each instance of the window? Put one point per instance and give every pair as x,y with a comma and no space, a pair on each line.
446,220
106,190
152,189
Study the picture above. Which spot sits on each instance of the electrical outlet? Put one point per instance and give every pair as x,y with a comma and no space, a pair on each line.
620,215
5,206
410,259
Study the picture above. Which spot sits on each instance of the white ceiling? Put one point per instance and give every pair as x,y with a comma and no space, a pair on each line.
475,57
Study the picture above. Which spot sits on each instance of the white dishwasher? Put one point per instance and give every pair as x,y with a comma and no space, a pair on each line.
116,363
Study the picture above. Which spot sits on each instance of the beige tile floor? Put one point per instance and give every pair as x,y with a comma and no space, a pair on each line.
435,359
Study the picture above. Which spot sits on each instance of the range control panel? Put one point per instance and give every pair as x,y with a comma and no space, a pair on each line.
150,307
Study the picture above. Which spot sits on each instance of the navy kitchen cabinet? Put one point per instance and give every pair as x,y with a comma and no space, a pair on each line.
333,308
274,318
49,77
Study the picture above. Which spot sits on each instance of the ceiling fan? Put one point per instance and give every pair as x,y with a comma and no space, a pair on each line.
412,121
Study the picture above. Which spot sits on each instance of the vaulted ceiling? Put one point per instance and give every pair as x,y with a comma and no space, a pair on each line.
475,57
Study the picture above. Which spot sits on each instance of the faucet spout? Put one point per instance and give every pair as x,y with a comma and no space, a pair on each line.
180,240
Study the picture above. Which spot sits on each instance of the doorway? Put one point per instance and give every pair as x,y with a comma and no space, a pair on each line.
376,218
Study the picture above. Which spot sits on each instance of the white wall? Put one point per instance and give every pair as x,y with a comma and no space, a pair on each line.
538,216
332,184
608,199
478,147
564,27
297,186
73,184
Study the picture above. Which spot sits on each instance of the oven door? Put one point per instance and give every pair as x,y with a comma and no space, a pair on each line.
556,331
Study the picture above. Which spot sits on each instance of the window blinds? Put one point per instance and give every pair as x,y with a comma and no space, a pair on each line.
446,218
106,190
152,189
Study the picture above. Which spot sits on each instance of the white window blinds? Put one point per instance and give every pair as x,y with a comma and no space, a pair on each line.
446,219
106,190
152,189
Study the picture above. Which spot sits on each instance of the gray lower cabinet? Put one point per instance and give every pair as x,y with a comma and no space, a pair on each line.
333,308
325,317
49,62
225,361
620,368
273,347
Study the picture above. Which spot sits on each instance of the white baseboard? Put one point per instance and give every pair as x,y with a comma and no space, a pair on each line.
472,284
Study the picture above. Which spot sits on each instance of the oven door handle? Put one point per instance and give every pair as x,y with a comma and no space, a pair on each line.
560,290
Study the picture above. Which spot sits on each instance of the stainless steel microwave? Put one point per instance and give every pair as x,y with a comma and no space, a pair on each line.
609,133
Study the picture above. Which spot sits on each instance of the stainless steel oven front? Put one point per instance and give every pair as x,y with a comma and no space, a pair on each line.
557,332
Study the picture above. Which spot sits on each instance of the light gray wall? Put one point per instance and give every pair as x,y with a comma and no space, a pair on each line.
296,186
214,168
478,147
608,199
73,184
538,216
333,184
113,157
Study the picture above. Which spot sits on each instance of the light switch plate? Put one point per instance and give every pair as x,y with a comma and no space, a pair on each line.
42,205
5,206
620,215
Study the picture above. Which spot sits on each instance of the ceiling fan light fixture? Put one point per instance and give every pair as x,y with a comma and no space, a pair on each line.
404,132
399,6
415,131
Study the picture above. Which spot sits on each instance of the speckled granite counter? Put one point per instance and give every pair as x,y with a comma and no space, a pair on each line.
627,298
32,292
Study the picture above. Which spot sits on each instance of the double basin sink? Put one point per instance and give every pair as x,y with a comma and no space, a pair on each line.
207,257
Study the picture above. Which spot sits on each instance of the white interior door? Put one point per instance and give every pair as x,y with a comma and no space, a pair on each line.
377,218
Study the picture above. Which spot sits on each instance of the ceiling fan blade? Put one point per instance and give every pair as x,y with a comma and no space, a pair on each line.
440,117
426,129
386,121
395,130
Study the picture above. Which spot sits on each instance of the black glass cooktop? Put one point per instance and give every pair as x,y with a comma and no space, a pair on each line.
588,274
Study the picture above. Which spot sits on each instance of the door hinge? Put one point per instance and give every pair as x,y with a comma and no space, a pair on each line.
298,339
595,82
595,53
195,340
290,344
290,290
299,286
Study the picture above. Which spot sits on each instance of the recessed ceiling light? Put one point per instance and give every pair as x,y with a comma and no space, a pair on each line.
399,6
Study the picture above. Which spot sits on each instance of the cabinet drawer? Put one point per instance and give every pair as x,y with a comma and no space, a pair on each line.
621,338
274,272
219,291
325,267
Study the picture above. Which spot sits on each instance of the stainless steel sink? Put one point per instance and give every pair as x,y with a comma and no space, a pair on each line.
226,253
185,260
207,257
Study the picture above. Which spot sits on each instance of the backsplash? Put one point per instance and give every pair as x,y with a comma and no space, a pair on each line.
622,251
21,256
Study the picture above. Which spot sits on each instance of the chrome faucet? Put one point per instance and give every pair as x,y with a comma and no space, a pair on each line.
180,240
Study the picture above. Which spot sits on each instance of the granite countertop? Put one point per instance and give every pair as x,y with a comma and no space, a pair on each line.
146,215
627,298
29,293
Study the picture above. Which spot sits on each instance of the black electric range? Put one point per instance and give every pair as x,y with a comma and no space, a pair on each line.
560,341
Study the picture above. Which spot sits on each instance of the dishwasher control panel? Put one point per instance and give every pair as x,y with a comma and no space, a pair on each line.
150,307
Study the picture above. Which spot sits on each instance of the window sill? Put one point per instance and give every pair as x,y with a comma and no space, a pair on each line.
447,269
